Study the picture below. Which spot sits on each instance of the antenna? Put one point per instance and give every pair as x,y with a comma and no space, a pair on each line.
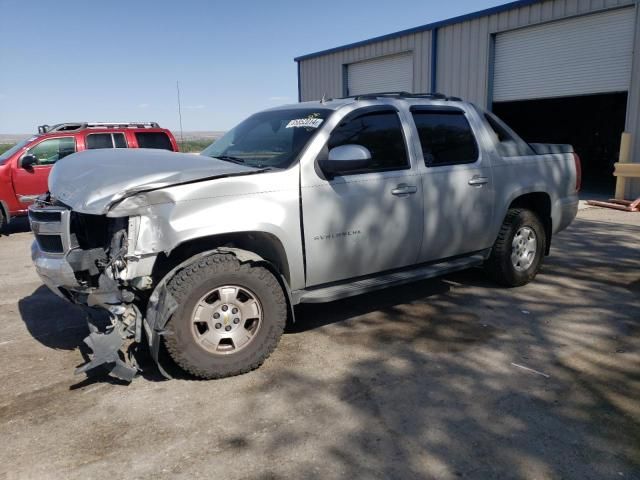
180,112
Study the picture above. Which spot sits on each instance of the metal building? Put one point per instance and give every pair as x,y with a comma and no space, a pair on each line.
558,71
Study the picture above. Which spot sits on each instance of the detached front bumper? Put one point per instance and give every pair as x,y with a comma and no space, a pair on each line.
90,278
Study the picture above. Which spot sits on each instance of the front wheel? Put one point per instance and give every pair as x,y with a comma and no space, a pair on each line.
516,256
230,318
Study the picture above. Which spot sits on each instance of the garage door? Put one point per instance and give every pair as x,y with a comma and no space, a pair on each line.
387,74
585,55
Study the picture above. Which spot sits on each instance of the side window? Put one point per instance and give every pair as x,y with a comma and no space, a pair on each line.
153,140
50,151
105,140
98,140
508,143
446,137
119,141
381,133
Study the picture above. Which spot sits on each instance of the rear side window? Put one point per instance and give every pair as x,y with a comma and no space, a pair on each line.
446,137
381,133
119,141
154,140
105,140
508,143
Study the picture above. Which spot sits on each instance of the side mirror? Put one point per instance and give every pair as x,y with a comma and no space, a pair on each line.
345,158
27,161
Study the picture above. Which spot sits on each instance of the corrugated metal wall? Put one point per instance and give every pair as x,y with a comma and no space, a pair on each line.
464,54
633,109
464,48
323,75
463,51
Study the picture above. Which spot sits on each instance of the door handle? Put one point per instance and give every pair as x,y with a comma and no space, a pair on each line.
478,181
403,190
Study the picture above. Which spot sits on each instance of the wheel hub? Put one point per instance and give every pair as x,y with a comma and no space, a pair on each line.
523,248
226,319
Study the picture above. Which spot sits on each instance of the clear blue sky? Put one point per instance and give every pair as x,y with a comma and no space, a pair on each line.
119,60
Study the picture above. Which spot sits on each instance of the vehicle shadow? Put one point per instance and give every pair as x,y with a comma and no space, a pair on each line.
16,225
430,387
53,321
312,316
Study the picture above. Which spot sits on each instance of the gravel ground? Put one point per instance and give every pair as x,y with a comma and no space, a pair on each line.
446,378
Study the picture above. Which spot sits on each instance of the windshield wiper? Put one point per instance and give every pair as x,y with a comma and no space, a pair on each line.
230,158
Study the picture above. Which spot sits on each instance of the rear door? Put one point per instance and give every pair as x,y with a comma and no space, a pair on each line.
31,182
456,180
367,221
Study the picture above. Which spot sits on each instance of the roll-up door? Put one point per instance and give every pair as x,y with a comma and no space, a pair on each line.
385,74
579,56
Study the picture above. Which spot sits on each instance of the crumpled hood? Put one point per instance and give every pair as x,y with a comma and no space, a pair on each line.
92,180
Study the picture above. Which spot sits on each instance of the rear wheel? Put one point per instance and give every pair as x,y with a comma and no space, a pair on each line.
230,318
516,256
3,220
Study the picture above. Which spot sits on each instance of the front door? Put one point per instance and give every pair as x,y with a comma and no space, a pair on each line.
31,182
368,221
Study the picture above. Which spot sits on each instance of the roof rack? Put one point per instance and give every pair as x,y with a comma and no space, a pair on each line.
434,96
73,126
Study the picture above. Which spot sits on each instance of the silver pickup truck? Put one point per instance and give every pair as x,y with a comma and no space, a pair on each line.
311,202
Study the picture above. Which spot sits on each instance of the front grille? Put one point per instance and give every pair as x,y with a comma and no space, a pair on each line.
45,215
50,243
91,231
50,225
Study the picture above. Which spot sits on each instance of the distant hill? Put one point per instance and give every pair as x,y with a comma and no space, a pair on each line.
11,138
198,135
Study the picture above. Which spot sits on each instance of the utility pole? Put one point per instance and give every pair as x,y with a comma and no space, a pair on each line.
180,112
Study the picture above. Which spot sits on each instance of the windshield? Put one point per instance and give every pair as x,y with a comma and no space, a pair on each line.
269,139
6,155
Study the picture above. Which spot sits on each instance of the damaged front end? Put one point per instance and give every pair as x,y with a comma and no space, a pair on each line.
88,259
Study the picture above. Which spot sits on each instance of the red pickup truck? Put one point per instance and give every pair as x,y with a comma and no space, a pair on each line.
24,168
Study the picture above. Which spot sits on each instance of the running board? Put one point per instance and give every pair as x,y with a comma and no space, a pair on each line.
358,287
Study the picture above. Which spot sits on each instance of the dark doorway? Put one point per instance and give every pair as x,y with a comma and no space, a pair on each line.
593,124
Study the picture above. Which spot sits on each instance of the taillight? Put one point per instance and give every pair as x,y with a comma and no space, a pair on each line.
576,158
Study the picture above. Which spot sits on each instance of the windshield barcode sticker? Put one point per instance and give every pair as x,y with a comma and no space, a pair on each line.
305,123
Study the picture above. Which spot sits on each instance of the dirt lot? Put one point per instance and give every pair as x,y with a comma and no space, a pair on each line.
425,381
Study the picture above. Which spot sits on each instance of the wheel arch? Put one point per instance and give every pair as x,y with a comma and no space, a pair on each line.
540,204
265,246
4,209
258,248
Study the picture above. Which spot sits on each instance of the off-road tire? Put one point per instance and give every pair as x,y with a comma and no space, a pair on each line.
194,281
499,265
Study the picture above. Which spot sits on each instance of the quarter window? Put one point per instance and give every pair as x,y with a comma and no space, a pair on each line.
381,133
158,140
508,143
446,137
119,141
105,140
50,151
